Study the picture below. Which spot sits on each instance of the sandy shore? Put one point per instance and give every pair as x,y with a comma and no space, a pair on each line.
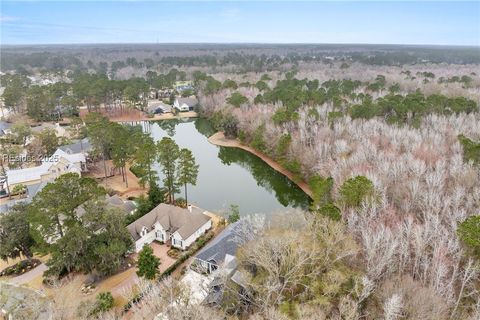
134,115
165,116
219,139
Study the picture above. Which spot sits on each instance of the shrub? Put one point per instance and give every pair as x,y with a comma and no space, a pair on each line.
104,302
321,190
469,233
234,215
331,211
237,99
355,190
471,149
174,253
283,144
147,263
258,143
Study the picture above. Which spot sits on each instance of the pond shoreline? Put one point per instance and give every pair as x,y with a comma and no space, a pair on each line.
219,139
140,116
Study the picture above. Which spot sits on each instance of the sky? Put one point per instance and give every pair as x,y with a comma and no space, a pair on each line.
387,22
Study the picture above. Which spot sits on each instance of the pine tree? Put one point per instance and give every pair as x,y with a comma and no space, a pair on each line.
187,170
147,263
168,153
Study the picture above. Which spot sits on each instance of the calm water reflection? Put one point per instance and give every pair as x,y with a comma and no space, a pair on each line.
229,175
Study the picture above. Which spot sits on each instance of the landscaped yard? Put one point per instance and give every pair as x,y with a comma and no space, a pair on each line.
160,251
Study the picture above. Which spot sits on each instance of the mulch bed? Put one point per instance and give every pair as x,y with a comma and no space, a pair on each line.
20,267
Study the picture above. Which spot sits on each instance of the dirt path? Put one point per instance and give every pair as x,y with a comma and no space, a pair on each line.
219,139
120,283
133,115
116,182
164,116
30,275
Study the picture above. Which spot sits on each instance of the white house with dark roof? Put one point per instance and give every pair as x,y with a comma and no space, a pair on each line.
185,104
170,223
59,163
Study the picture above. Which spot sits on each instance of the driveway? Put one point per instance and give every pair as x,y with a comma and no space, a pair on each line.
30,275
122,282
160,251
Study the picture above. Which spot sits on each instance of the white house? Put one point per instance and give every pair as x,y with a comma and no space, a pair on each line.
59,163
170,223
185,104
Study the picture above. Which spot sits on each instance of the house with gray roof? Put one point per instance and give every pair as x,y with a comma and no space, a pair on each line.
168,223
158,107
112,202
32,190
115,201
221,251
218,259
80,146
185,104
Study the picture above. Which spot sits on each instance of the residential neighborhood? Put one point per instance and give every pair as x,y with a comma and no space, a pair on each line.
240,160
174,231
169,224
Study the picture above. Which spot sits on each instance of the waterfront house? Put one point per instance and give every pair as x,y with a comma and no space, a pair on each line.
158,107
170,224
185,104
221,251
126,206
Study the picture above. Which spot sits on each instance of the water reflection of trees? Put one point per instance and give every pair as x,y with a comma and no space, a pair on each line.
168,125
204,127
286,192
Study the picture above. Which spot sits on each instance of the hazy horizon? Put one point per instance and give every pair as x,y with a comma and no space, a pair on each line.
420,45
363,23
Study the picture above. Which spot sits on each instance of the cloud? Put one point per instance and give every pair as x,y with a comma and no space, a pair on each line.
4,18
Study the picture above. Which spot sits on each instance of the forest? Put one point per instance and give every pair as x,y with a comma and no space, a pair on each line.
388,139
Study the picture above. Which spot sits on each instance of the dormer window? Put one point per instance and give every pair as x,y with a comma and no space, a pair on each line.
143,232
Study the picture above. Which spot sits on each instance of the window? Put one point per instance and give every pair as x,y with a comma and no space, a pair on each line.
144,231
177,242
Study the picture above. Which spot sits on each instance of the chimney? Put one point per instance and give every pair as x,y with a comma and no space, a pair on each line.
189,208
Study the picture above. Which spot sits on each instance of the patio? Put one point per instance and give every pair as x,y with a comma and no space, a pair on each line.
160,251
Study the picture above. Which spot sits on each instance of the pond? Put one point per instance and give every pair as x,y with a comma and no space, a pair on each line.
228,175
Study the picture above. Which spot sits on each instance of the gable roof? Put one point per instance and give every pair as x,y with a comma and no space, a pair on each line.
172,219
189,101
32,190
77,147
35,173
226,243
116,202
158,105
111,202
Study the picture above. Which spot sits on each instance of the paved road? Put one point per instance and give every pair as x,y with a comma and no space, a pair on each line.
30,275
